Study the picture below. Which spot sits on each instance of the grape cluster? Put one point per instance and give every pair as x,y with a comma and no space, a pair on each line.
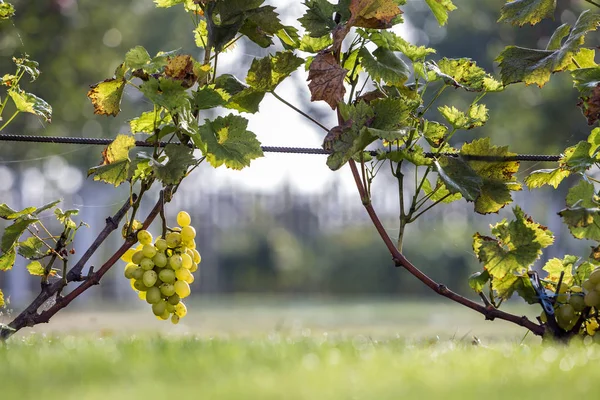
572,301
161,272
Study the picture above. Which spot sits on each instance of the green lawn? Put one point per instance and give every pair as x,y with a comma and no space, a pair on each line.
288,350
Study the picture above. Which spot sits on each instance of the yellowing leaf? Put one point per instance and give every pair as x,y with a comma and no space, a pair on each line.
440,9
541,177
521,12
377,14
36,268
115,161
106,96
30,103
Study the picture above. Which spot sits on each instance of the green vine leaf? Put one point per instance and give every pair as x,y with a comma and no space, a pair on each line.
577,158
498,176
415,155
9,214
556,267
137,58
30,103
180,158
165,92
508,256
583,272
385,66
478,281
392,114
7,260
209,96
435,133
441,192
13,232
29,66
531,66
582,214
167,3
390,41
318,18
476,116
587,81
226,141
261,25
149,121
115,161
462,73
64,217
440,9
237,95
30,248
289,37
268,72
35,268
521,12
541,177
45,207
106,96
314,45
459,177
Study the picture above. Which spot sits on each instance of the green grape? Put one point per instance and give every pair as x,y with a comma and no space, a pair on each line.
167,275
139,285
183,218
160,260
175,299
587,286
190,244
183,274
159,308
144,237
161,245
576,289
186,261
153,295
543,317
170,308
129,270
175,261
180,310
165,316
167,289
138,273
188,233
182,289
147,264
127,255
173,239
196,256
137,257
149,250
564,315
175,319
149,278
592,299
595,276
577,302
194,267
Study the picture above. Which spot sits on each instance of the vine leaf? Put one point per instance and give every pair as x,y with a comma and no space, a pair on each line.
289,38
137,58
261,24
416,155
148,121
390,41
13,232
35,268
498,176
268,72
392,114
64,217
521,12
181,68
440,9
587,81
167,3
478,280
378,14
582,214
434,133
313,45
165,92
106,96
459,177
8,213
577,158
541,177
555,267
209,96
317,20
385,66
30,103
462,73
7,260
327,79
476,116
583,272
115,161
441,192
226,141
30,247
508,256
518,64
237,95
180,158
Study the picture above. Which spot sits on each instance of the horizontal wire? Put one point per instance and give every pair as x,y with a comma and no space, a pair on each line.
267,149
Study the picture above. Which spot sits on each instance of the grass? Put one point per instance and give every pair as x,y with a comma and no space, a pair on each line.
245,349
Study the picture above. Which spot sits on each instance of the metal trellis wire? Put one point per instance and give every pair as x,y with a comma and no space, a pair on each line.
266,149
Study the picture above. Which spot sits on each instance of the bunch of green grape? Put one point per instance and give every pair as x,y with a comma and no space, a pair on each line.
161,272
572,301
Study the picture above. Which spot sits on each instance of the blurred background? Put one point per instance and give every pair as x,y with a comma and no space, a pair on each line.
287,227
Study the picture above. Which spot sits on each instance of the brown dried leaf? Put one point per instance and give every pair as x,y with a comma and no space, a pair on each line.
377,14
181,68
327,79
590,105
